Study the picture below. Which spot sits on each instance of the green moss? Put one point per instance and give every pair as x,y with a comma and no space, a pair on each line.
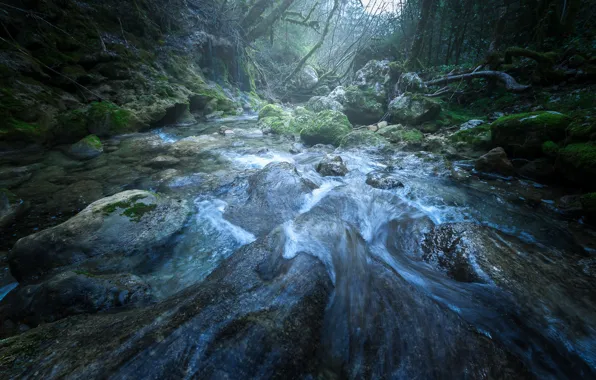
588,202
132,209
412,135
17,130
327,127
120,118
550,148
362,138
364,106
271,110
581,131
478,137
580,155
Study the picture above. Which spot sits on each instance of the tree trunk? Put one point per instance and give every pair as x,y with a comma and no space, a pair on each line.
262,28
416,50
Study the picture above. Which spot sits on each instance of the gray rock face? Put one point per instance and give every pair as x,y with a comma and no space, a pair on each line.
495,161
118,226
409,82
71,293
275,195
411,109
332,166
375,74
384,181
338,94
322,103
86,148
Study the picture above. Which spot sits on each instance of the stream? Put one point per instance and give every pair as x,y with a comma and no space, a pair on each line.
451,274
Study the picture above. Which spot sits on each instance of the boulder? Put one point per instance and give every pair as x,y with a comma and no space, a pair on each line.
275,194
374,75
397,133
161,162
70,293
122,225
541,169
413,109
577,163
476,138
383,180
10,207
338,94
362,139
306,79
86,148
495,161
364,105
322,103
275,119
409,82
327,127
522,135
332,166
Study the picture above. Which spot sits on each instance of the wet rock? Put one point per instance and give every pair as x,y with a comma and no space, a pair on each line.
570,205
363,139
413,109
252,302
296,148
398,133
189,146
328,127
382,180
72,293
275,195
322,103
331,166
470,124
495,161
13,177
10,207
77,195
541,169
214,115
121,225
166,175
161,162
86,148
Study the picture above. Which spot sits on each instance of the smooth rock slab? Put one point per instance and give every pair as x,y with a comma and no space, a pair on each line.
126,223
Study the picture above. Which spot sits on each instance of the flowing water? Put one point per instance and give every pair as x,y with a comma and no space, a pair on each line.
394,311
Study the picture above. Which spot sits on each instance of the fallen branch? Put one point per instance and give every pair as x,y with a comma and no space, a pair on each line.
509,82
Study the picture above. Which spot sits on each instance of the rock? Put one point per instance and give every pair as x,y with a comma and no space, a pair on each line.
86,148
382,124
71,293
383,180
322,91
533,129
306,79
338,94
121,225
77,195
161,162
332,166
541,169
577,163
13,177
570,205
363,106
166,175
10,207
188,146
272,117
296,148
409,82
495,161
362,139
477,138
275,195
322,103
327,127
470,124
413,109
398,133
374,75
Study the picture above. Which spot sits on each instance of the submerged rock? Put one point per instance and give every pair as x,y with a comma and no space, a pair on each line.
383,180
495,161
119,226
161,162
86,148
331,166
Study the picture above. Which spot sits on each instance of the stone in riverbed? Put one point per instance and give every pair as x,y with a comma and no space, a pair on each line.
332,166
161,162
86,148
10,207
119,226
327,127
384,181
495,161
413,109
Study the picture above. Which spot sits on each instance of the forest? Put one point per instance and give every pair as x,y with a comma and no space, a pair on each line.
298,189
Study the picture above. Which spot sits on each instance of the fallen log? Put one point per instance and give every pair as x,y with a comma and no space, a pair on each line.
509,82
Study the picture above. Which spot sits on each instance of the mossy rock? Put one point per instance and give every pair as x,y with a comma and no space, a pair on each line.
413,109
17,130
99,118
550,148
327,127
398,133
363,138
588,202
363,106
522,135
271,110
478,138
86,148
577,163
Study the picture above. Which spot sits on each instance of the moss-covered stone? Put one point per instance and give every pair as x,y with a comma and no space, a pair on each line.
478,138
398,133
17,130
363,106
577,163
86,148
271,110
550,148
588,202
327,127
413,109
132,209
522,135
280,122
362,138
